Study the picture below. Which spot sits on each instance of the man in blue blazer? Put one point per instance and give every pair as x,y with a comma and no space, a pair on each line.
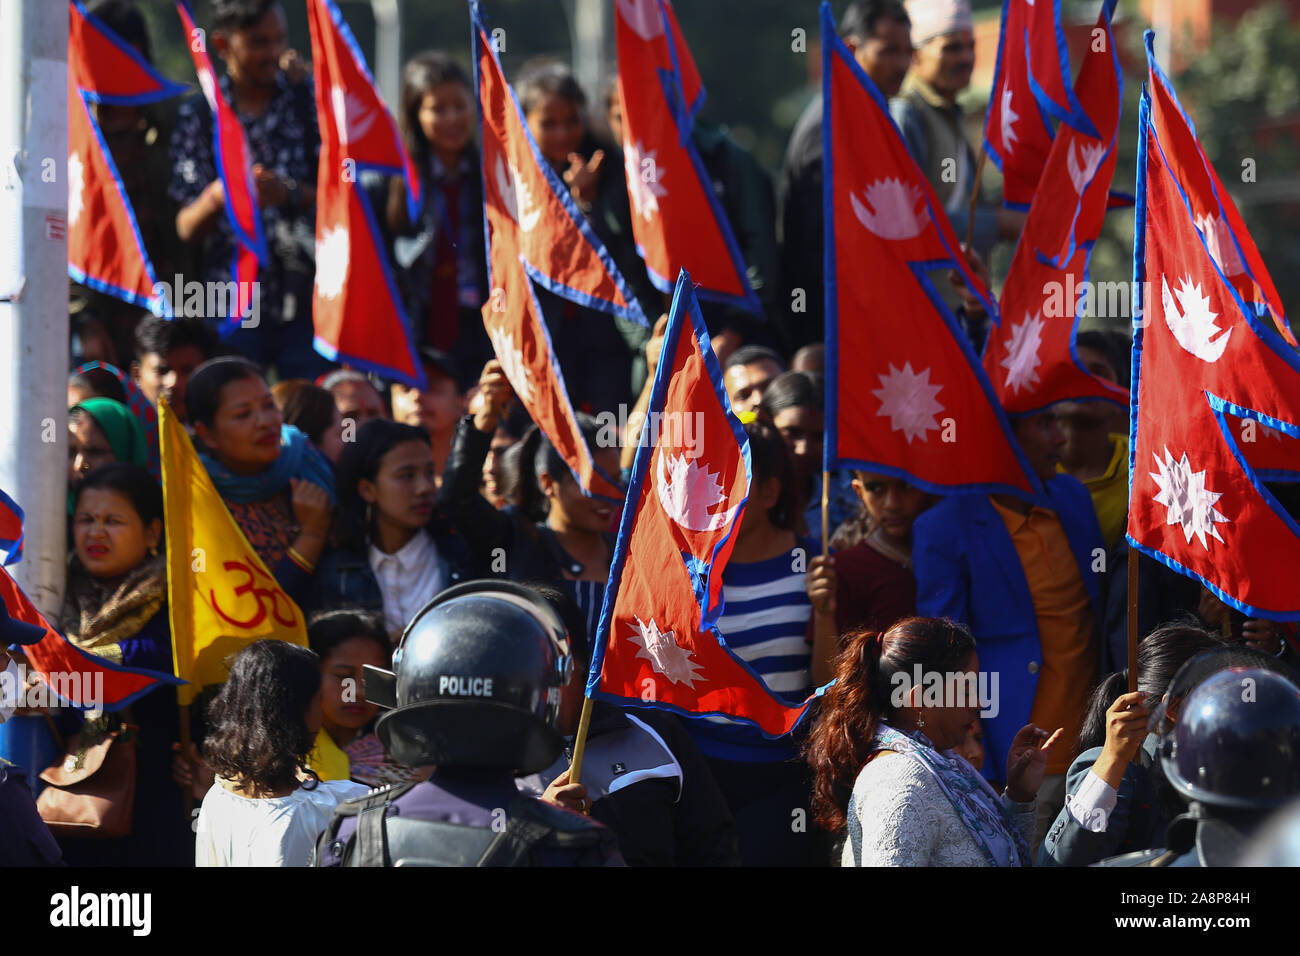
1026,579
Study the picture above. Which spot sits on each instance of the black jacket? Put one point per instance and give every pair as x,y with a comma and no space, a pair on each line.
649,784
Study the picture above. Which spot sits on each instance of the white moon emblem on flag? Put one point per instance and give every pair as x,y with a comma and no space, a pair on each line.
643,17
893,210
1083,166
351,117
513,365
688,491
1193,326
1009,117
516,196
332,255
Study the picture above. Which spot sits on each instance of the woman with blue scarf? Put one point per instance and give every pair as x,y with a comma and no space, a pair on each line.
887,774
279,489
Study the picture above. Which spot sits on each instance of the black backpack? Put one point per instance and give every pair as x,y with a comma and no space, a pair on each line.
533,833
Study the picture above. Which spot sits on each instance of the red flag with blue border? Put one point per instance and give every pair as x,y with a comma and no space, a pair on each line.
917,403
1204,362
234,164
657,643
356,307
1030,355
105,250
535,234
676,218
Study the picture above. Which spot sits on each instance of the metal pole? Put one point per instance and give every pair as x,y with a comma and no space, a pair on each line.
388,50
589,25
34,286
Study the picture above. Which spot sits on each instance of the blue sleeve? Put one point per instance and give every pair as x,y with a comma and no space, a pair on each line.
942,575
985,235
1067,843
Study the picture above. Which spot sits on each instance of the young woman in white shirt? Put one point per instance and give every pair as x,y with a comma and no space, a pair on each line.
887,773
393,551
266,808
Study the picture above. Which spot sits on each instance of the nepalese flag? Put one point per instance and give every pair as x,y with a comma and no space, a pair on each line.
356,307
1030,355
11,530
676,219
235,169
535,233
917,403
1017,131
657,643
1217,218
1202,355
77,677
105,251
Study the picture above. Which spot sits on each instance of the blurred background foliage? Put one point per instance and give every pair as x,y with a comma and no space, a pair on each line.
1243,92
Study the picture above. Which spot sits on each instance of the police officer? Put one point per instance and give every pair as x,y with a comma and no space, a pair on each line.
475,691
1233,756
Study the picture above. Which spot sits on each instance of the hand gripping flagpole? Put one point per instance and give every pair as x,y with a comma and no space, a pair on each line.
1132,619
580,741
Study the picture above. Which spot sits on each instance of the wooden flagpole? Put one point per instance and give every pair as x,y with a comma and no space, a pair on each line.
1132,618
975,195
826,511
580,741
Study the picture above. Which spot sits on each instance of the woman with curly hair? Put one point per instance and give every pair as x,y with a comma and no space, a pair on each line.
266,808
884,761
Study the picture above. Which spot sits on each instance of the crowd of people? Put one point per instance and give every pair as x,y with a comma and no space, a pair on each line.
375,504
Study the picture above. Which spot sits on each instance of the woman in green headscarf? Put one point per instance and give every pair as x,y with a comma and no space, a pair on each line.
101,430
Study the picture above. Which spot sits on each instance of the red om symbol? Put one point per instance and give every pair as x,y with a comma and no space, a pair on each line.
273,592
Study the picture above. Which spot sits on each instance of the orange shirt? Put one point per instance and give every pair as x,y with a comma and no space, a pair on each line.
1069,655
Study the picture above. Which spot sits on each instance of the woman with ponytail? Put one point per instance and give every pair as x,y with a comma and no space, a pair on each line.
884,764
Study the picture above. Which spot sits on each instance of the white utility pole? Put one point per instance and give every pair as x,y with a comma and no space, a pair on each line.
34,285
590,28
388,51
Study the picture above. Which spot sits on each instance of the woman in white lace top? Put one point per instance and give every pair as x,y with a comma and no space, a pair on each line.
886,772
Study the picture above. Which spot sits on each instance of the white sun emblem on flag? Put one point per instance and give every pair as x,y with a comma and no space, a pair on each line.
893,209
909,400
351,117
688,492
1218,239
643,177
1009,117
331,262
1193,325
76,188
513,364
1187,501
663,652
1022,360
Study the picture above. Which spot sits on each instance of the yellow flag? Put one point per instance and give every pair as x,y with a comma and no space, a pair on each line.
221,595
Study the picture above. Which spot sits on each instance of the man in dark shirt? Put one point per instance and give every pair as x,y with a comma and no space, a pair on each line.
879,34
279,120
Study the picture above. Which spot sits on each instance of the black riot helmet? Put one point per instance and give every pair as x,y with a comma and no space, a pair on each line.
476,681
1235,745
